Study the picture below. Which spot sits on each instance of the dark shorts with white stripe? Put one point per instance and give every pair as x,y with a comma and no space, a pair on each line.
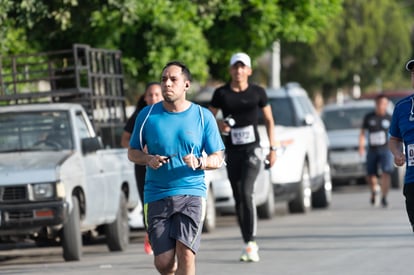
172,219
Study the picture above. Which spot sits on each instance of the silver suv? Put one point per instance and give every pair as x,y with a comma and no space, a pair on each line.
343,122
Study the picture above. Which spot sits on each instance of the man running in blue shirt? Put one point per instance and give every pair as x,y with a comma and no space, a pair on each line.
402,133
183,140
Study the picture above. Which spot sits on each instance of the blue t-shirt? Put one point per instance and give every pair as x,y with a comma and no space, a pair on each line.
403,128
169,133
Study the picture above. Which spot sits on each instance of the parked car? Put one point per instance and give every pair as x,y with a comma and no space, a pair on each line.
393,95
343,123
301,175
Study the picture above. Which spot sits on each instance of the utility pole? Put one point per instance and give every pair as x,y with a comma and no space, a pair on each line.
275,65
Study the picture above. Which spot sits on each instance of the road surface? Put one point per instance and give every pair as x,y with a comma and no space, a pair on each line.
351,237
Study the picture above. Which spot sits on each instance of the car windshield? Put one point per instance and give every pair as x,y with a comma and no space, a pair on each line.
35,131
282,110
345,118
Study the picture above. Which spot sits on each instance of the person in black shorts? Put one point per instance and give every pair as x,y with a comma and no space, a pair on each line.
240,103
151,96
376,125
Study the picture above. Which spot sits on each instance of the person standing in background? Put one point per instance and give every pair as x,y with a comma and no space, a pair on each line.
151,96
240,103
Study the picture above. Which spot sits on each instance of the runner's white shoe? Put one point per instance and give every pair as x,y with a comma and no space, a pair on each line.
250,253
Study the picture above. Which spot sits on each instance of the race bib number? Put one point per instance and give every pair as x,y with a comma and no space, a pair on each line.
377,138
410,152
243,135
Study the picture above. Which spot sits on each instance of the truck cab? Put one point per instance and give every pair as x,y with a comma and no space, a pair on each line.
62,173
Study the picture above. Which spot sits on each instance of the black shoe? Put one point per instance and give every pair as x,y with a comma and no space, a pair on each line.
373,198
384,202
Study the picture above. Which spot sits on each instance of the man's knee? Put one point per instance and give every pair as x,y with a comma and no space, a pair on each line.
165,262
185,256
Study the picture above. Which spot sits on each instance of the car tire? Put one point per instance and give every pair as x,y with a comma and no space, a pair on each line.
303,198
117,232
209,223
267,209
71,234
321,198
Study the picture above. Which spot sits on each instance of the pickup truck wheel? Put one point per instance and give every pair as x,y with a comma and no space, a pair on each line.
71,234
117,232
303,198
209,223
267,209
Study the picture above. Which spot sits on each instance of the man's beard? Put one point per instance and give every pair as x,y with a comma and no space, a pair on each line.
169,99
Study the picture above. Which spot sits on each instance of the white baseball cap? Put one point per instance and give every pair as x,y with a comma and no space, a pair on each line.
240,57
410,64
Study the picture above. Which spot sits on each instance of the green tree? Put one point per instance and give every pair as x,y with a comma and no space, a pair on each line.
253,26
201,33
369,39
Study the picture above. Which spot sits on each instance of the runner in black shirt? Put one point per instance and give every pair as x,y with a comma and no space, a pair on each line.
376,124
240,103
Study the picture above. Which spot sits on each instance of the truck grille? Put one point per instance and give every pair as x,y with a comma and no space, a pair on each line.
13,193
19,215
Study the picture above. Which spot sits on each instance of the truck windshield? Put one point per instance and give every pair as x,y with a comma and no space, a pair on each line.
35,131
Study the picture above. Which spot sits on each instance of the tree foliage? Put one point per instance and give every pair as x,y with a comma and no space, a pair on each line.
369,39
201,33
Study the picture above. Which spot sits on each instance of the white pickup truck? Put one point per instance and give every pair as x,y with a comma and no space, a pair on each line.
58,180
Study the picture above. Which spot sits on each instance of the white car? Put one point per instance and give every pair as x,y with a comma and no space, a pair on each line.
343,122
301,175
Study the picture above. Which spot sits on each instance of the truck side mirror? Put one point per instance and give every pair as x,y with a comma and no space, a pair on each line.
91,144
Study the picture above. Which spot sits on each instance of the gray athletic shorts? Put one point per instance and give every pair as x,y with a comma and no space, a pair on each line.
176,218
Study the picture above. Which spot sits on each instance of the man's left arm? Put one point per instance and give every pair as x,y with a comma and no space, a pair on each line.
270,129
209,162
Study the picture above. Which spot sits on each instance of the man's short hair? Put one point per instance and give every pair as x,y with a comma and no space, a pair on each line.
380,96
183,67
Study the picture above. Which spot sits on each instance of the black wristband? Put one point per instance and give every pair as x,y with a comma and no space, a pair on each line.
200,163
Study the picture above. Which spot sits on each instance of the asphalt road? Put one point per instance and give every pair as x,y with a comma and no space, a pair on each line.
351,237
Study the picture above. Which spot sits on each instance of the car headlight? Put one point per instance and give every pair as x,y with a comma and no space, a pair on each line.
60,190
43,191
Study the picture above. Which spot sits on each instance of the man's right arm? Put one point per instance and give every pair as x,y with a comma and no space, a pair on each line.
396,147
223,127
139,157
126,136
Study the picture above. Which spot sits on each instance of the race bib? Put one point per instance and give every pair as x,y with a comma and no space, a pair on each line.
243,135
377,138
410,153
